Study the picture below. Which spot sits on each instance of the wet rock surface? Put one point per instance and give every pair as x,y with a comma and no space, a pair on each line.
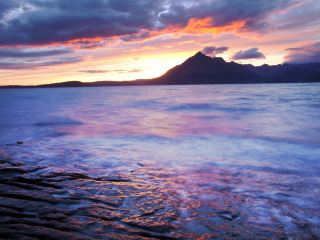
65,205
41,202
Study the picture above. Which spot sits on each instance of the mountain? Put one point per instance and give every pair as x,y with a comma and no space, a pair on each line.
201,69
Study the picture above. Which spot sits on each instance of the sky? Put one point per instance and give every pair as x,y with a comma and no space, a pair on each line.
46,41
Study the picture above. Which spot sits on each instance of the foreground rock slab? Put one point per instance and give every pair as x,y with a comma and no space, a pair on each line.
35,204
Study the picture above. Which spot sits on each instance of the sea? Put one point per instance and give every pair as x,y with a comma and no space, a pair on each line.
237,161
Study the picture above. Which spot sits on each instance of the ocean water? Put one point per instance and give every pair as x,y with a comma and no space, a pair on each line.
240,157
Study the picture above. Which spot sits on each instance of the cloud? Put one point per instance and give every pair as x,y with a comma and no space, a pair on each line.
51,21
304,15
93,71
88,43
138,36
252,53
168,41
41,22
308,53
5,65
26,58
98,71
7,6
224,12
29,53
135,70
213,51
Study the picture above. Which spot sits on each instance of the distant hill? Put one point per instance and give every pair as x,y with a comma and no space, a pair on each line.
201,69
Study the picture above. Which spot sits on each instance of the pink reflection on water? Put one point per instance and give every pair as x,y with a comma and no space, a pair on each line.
155,123
241,201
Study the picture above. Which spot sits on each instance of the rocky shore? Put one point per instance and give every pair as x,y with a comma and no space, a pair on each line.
39,202
35,204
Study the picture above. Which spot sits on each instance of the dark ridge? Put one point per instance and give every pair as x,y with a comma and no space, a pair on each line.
201,69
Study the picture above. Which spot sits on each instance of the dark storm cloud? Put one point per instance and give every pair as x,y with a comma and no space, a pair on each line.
32,22
252,53
34,64
6,6
224,12
49,21
29,53
309,53
212,50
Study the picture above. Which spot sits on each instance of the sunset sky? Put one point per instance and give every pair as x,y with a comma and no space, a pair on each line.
45,41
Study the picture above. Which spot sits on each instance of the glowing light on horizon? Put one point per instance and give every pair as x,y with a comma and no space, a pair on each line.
152,43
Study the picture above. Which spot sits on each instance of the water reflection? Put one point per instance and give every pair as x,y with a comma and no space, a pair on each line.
240,160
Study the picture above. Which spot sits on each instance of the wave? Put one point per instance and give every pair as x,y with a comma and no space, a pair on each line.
58,122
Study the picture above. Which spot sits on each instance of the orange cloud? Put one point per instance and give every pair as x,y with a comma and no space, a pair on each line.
205,25
194,26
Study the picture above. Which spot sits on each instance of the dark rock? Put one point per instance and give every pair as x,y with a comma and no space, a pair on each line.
114,178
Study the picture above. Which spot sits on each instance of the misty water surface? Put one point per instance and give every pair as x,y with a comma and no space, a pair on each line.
251,149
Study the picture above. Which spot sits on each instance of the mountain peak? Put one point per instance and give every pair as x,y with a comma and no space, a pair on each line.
200,54
199,57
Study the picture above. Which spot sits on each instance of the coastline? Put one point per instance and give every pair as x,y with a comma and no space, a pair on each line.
170,163
70,205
